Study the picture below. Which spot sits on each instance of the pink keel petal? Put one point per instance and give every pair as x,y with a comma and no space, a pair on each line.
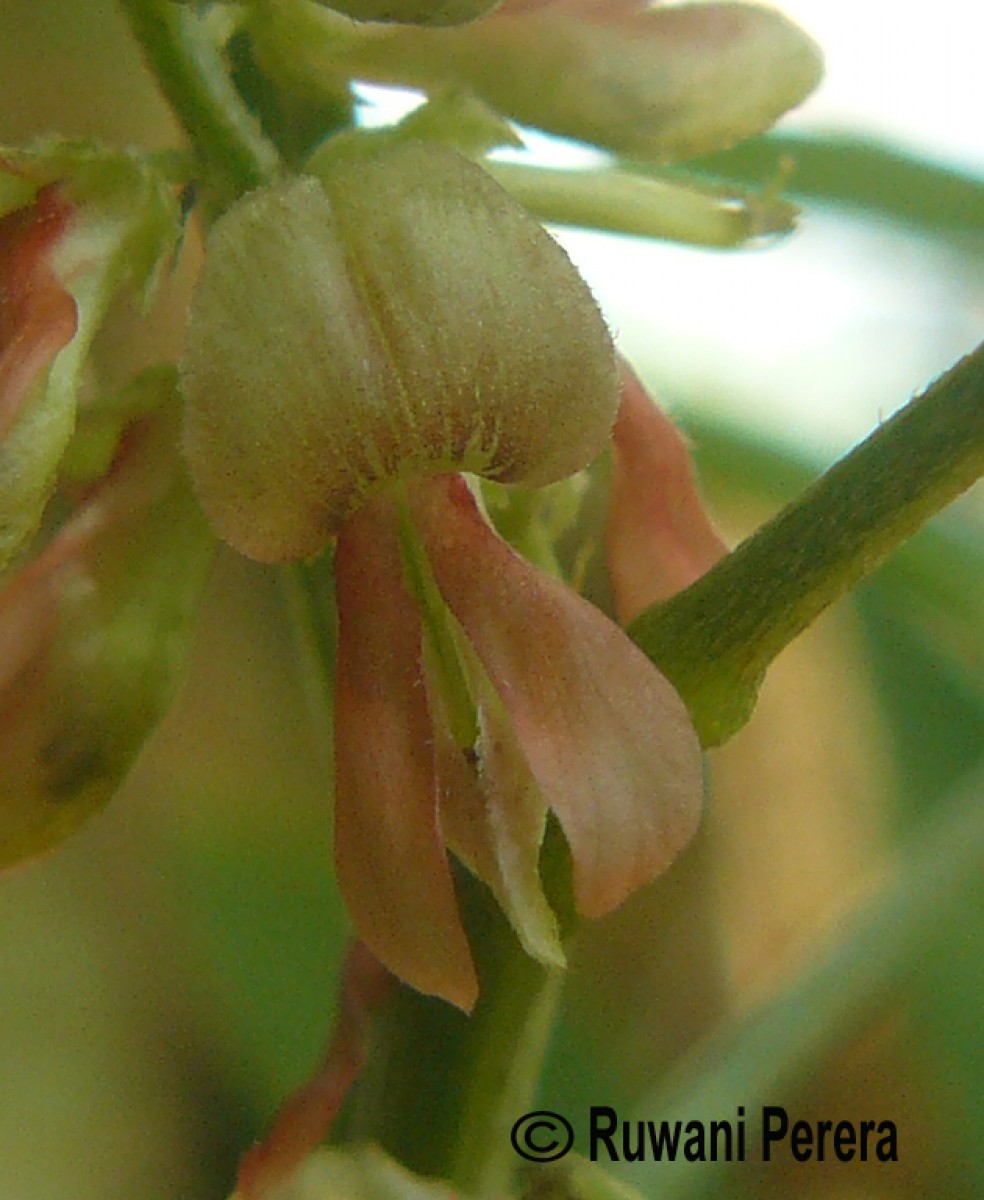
659,538
606,737
37,315
392,868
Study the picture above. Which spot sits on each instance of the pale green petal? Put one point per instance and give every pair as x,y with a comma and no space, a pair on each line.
403,316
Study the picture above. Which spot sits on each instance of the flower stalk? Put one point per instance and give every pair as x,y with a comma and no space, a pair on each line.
233,151
716,640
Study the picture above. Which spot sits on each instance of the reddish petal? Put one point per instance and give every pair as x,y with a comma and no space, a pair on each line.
659,538
392,867
307,1117
37,315
606,737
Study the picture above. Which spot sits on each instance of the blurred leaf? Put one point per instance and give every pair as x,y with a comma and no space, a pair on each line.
884,948
863,173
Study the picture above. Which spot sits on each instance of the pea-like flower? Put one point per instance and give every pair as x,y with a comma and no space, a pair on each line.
358,344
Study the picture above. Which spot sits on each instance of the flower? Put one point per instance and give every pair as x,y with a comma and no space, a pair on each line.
357,343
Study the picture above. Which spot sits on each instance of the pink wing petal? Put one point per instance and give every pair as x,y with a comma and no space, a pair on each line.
37,315
659,538
393,871
606,737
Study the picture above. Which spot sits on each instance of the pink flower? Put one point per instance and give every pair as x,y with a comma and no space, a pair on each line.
356,343
570,717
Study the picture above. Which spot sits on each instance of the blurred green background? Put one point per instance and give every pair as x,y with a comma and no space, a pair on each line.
169,975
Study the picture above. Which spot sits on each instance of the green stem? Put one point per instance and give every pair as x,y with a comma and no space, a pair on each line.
192,75
716,640
479,1073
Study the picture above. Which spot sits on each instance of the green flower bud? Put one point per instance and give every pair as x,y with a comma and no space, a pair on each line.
403,316
414,12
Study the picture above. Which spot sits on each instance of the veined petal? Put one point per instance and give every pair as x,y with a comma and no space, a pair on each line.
392,868
606,737
659,537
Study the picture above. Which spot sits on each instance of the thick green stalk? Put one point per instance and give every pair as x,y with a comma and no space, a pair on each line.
478,1073
716,640
235,155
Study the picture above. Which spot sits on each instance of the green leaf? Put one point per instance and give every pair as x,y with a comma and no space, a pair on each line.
884,947
938,200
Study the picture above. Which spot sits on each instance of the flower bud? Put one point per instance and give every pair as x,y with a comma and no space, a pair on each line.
403,316
415,12
98,220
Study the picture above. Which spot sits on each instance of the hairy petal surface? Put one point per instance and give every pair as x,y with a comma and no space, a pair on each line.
392,868
659,537
400,315
606,737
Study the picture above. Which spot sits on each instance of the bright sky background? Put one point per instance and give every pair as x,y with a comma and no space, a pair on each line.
908,72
